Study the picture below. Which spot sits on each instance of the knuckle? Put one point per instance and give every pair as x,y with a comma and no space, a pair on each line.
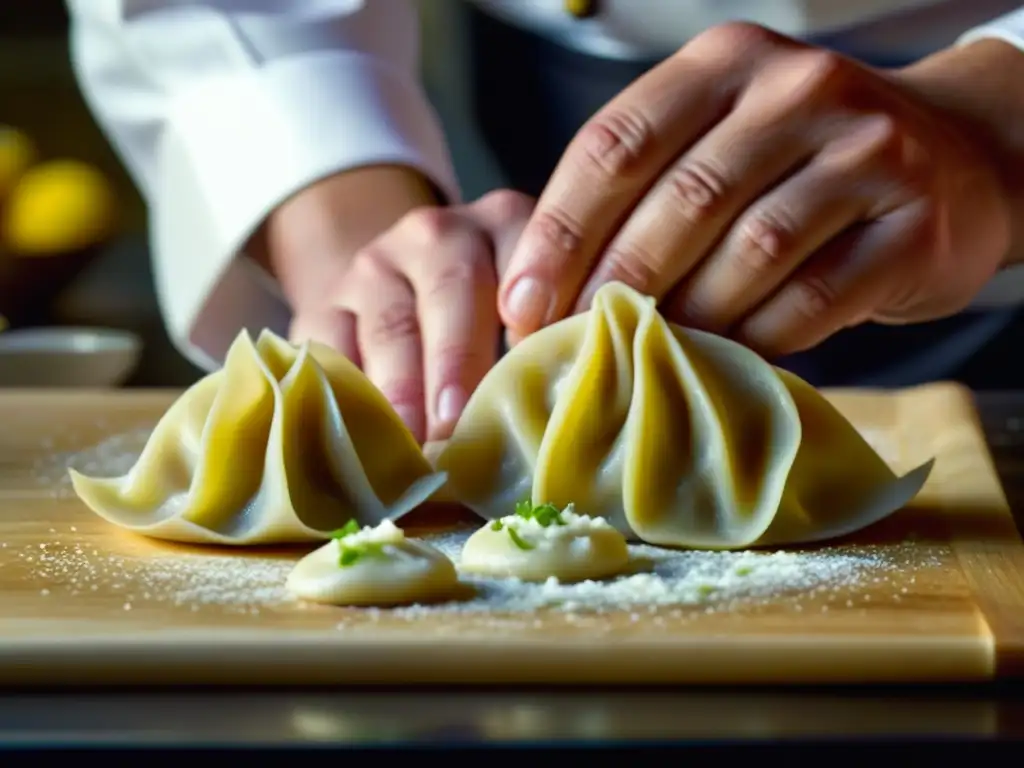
734,39
616,141
881,138
885,152
902,155
430,225
699,189
765,238
455,276
368,267
559,232
508,204
631,265
888,132
825,74
811,296
395,322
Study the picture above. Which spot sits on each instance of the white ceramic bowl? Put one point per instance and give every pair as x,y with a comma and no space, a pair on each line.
67,357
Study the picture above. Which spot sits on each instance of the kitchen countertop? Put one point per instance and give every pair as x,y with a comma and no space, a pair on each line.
475,717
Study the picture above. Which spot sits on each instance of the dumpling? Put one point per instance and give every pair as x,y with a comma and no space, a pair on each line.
539,543
281,445
373,566
677,437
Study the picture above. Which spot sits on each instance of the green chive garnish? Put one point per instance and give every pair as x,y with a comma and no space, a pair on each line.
518,540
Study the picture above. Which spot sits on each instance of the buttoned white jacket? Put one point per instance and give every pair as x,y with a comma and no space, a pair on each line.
224,108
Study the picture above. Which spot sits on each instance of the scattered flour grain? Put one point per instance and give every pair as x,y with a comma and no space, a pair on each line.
711,581
190,581
109,458
715,581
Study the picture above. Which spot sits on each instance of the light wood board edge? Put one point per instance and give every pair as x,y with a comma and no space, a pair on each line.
993,564
310,658
987,546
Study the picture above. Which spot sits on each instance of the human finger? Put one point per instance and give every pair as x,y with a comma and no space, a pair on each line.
612,161
696,200
449,263
388,334
864,174
863,269
334,327
504,214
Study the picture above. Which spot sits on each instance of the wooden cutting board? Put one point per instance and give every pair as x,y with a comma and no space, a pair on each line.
936,593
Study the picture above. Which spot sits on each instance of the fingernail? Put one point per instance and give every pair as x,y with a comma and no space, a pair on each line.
450,403
529,302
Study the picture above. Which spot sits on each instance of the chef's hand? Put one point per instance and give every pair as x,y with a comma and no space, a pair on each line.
422,296
419,306
376,267
768,190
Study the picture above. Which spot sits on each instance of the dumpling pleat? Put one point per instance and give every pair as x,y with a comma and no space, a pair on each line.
261,452
678,437
585,425
325,479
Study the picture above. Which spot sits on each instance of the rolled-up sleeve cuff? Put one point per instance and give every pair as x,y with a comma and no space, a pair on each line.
1008,28
1006,288
237,146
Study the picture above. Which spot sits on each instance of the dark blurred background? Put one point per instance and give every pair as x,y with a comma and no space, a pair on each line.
109,285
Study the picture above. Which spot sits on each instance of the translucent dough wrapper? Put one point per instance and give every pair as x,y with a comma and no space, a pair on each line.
281,445
678,437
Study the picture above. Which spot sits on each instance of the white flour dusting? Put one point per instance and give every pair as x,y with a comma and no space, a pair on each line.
110,458
715,581
242,584
663,579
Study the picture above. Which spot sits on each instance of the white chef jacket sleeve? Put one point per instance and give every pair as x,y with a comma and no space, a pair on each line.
1009,28
1007,287
223,109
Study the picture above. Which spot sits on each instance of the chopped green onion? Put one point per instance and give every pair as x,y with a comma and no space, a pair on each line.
497,525
348,557
544,514
352,555
518,540
347,530
745,570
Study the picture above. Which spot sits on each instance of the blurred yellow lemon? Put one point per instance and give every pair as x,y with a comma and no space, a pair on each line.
58,206
17,153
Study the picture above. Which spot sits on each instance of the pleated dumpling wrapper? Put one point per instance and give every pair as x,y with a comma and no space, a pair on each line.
677,437
282,445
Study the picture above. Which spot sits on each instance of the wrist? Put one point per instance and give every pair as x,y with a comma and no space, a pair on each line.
976,87
308,240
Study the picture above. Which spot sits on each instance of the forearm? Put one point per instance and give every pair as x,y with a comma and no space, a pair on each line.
224,115
360,203
980,85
